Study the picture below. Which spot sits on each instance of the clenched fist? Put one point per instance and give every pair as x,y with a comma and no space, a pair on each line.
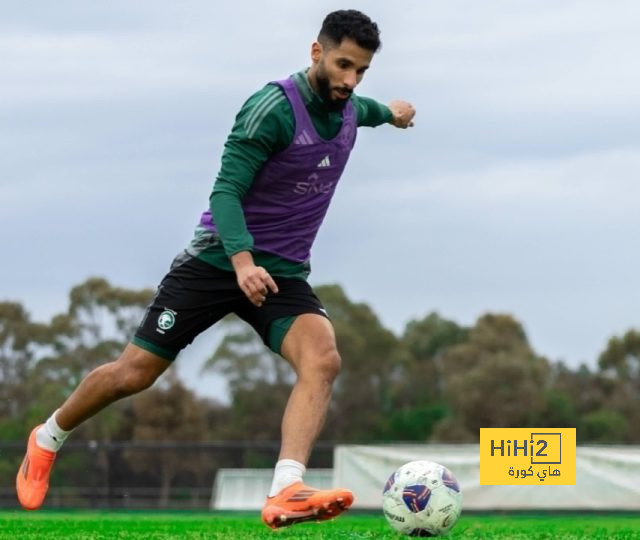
254,281
403,113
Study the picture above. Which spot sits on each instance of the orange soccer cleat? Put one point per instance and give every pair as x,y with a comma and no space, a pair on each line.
297,503
32,480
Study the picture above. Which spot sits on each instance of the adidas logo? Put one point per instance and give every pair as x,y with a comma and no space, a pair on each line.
304,138
326,162
301,495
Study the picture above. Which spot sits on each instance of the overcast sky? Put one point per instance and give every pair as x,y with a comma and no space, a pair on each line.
517,191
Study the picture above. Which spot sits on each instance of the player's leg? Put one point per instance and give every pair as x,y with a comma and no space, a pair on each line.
310,348
135,370
191,297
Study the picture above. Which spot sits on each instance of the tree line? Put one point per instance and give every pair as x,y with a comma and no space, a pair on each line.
438,381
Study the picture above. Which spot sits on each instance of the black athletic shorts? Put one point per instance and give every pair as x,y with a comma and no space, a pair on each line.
194,295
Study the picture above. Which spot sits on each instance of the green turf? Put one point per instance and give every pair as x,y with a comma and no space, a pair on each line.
45,525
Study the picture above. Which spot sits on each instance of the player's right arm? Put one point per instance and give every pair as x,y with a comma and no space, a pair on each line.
257,134
254,281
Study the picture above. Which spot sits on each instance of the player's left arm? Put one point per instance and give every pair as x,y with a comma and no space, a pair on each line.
371,113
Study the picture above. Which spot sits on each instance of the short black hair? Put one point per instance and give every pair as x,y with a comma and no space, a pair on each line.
353,24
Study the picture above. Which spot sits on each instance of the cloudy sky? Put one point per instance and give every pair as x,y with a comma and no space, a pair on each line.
517,191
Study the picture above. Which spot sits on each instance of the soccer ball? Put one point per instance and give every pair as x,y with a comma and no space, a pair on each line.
422,498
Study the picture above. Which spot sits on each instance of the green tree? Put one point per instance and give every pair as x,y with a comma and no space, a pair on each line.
622,357
371,358
243,359
494,379
620,365
98,324
577,398
40,364
22,343
604,426
419,393
259,382
165,413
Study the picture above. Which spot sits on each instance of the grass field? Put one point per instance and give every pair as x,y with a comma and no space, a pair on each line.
45,525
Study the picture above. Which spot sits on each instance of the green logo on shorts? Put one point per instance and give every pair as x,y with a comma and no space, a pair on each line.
167,319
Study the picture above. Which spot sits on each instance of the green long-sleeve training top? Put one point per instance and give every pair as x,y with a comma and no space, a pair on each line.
264,127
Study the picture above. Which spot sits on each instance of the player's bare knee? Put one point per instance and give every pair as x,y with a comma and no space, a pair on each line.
134,372
331,364
137,378
323,367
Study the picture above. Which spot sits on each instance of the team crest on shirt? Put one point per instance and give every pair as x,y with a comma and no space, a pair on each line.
166,320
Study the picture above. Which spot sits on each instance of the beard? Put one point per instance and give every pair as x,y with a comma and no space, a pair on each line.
325,89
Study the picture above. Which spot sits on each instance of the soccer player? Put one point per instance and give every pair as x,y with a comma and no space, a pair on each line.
250,256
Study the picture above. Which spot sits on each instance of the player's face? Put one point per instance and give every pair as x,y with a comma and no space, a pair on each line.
337,70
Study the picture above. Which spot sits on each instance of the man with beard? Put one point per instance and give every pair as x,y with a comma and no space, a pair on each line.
250,256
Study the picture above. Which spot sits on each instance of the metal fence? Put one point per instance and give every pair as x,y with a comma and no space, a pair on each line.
149,475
